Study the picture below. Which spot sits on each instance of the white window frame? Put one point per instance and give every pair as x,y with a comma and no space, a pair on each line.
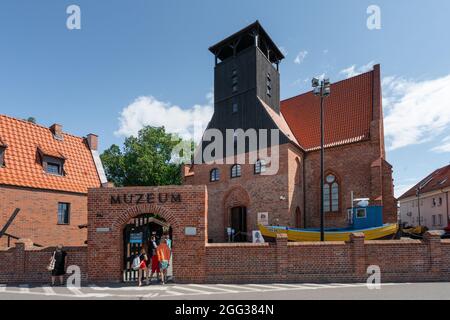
361,209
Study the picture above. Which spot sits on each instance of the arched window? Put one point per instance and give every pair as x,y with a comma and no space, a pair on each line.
236,171
260,166
214,175
331,193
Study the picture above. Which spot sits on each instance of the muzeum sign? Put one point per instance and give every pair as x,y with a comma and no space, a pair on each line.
145,198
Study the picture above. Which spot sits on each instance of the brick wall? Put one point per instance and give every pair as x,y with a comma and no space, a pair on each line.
38,216
399,261
359,169
27,264
198,262
258,193
105,248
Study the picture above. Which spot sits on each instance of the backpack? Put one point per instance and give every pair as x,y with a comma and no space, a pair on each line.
136,263
51,265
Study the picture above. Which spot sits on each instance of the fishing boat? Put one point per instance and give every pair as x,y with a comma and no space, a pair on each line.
368,220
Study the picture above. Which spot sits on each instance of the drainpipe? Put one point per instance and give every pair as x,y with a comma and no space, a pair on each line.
418,204
304,190
448,213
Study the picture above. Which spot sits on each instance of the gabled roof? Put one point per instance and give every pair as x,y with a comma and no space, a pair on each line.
280,122
348,113
26,141
438,180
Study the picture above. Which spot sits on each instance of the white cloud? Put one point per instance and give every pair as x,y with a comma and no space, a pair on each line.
300,57
325,51
189,123
416,111
444,147
353,70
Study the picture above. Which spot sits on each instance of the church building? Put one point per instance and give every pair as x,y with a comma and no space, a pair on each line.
247,96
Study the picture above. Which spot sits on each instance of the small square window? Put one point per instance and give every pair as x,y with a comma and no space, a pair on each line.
63,213
235,88
2,156
361,213
53,168
235,107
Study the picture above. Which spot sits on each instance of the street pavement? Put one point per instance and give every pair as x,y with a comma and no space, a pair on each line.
276,291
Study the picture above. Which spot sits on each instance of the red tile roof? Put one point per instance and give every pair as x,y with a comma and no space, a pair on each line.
348,113
438,180
26,140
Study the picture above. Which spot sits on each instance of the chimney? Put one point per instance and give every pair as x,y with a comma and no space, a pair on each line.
56,129
92,140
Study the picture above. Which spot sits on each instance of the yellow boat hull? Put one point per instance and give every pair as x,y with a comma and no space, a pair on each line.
304,235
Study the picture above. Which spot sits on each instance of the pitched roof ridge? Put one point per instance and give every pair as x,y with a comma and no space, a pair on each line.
281,121
40,126
445,169
334,83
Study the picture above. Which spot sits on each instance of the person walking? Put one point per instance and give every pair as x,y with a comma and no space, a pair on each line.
143,267
57,265
163,253
155,266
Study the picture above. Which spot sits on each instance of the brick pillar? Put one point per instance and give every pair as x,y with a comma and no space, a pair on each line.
358,253
433,240
19,258
282,257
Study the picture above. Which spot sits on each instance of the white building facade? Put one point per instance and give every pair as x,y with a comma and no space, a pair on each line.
431,209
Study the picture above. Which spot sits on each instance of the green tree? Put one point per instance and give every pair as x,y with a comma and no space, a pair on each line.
145,160
31,119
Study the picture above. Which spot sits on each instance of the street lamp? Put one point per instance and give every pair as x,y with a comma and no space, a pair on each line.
418,203
321,89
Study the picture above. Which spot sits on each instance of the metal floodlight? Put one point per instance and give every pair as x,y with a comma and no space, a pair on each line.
317,91
315,82
326,91
326,82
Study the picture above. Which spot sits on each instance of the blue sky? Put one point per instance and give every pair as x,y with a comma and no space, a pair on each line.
134,56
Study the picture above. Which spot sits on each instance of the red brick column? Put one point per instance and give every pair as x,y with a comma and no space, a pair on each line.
433,239
282,257
19,258
358,253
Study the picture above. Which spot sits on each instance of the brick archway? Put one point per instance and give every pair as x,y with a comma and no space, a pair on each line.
137,210
110,209
237,196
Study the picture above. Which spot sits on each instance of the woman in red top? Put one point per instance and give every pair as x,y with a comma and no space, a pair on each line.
155,265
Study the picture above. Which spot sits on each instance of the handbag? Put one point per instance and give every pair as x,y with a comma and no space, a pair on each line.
51,265
136,263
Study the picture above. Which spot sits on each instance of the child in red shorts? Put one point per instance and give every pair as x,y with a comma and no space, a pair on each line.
155,265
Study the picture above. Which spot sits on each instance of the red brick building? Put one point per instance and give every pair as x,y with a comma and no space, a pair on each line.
45,173
247,91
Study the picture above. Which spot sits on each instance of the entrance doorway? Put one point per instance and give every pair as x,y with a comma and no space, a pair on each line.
137,234
239,223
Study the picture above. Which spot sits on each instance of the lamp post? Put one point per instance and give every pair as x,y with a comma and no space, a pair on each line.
418,204
322,89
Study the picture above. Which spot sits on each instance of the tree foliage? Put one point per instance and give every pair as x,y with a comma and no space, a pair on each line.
145,160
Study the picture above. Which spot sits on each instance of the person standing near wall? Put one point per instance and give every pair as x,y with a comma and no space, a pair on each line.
154,266
58,262
163,252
